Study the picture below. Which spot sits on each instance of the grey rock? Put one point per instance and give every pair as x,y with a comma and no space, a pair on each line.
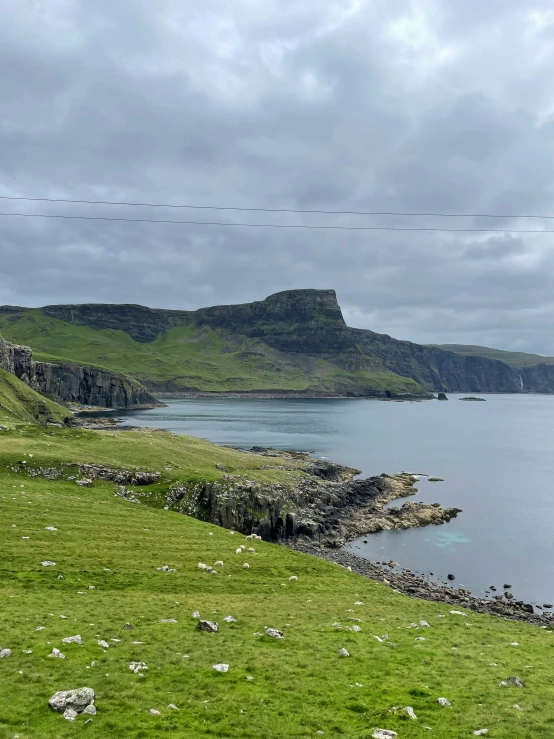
137,667
56,653
5,653
154,712
514,682
84,482
480,732
221,667
77,699
230,619
410,711
167,621
383,734
209,626
104,644
344,652
173,707
274,633
443,702
128,626
72,639
70,714
90,710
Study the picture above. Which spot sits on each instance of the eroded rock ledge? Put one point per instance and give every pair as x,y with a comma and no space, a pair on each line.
325,504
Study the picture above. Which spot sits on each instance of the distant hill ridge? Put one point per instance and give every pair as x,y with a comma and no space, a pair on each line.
293,342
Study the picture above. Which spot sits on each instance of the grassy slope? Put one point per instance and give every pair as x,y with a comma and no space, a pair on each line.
18,402
301,685
512,359
191,358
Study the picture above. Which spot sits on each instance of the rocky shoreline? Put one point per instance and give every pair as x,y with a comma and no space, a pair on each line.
410,583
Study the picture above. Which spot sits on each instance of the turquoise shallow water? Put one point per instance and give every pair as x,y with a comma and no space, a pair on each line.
497,460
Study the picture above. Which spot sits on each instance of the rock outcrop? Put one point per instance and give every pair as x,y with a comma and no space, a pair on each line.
74,383
312,507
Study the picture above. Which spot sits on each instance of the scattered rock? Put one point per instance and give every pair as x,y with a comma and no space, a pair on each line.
56,653
230,619
209,626
48,563
450,576
480,732
137,667
344,652
293,578
85,482
506,586
221,668
410,711
102,643
50,528
383,734
167,621
246,566
128,626
70,714
219,563
443,702
172,707
154,712
5,653
196,614
90,710
274,633
72,639
515,682
441,396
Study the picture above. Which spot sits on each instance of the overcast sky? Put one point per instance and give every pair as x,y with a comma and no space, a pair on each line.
428,105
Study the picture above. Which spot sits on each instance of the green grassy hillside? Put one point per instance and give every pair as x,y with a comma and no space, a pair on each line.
512,359
108,550
193,358
19,403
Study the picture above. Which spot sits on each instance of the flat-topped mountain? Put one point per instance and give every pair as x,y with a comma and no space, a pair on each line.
293,342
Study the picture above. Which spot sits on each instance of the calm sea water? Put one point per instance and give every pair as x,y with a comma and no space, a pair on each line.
496,458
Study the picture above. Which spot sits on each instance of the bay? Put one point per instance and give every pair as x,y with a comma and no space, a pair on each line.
496,459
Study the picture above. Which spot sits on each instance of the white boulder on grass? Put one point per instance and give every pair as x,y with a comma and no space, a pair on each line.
48,563
76,700
56,653
5,653
137,667
344,652
443,702
221,667
383,734
72,639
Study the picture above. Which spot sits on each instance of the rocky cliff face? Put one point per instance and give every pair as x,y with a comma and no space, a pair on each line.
72,382
310,323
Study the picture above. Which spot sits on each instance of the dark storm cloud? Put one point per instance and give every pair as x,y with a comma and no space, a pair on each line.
426,106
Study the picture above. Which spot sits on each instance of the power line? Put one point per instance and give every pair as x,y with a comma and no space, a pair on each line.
272,210
279,225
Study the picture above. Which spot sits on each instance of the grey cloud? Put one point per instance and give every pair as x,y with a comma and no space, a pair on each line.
430,106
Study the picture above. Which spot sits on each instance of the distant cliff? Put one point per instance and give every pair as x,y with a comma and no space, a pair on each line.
295,341
71,382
